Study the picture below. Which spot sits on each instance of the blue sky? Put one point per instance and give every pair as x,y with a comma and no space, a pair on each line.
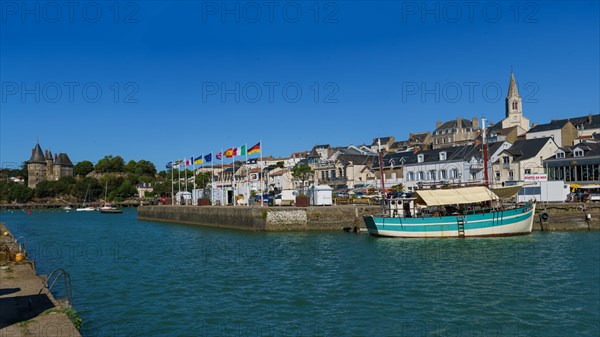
164,80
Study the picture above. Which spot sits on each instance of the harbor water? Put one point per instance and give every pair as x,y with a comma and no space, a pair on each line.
140,278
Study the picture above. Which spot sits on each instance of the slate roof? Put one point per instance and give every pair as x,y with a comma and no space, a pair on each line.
357,159
63,159
553,125
37,156
384,140
396,157
465,123
526,148
454,153
585,121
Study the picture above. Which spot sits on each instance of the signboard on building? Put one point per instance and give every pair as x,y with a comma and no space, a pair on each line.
536,177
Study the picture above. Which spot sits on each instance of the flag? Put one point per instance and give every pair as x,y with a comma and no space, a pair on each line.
198,160
254,149
189,161
208,158
219,155
169,165
177,163
242,151
229,152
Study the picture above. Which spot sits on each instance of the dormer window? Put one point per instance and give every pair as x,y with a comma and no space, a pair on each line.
443,155
420,158
560,155
578,153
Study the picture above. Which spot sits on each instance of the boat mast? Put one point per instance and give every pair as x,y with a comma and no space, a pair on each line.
381,168
485,154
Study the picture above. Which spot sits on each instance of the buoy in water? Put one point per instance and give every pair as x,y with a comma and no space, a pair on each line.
28,211
19,257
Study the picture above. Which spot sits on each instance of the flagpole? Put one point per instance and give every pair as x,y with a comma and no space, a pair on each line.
262,190
178,177
247,176
223,195
233,175
212,181
185,174
172,188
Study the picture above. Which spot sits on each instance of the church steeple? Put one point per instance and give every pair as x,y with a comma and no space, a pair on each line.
514,106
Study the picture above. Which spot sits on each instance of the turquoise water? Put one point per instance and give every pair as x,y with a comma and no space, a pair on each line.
140,278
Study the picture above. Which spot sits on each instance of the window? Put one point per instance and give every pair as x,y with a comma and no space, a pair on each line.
410,176
505,160
497,174
454,173
444,140
420,158
578,153
421,175
527,171
432,175
511,175
560,154
443,155
443,174
332,174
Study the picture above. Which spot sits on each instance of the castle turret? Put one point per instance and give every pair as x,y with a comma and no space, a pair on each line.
36,167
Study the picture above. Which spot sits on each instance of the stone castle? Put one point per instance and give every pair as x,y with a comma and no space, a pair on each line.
42,166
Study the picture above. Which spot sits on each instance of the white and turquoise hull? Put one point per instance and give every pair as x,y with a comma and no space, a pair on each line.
498,223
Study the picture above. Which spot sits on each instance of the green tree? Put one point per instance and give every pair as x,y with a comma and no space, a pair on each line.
83,168
202,179
19,193
302,172
144,167
110,164
131,166
89,186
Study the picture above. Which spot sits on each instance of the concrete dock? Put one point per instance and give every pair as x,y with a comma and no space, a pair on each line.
262,218
24,310
561,217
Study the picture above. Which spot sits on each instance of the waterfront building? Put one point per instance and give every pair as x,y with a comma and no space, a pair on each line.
393,168
437,167
416,142
522,158
456,132
386,144
562,131
42,166
575,164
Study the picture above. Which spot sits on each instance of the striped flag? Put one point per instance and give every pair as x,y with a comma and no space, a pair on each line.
254,149
198,160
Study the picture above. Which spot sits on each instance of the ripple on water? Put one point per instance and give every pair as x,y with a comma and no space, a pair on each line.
156,279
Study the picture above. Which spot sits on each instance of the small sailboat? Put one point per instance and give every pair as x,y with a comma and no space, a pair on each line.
107,208
86,208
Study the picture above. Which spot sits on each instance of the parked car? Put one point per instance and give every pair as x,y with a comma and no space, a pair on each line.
265,198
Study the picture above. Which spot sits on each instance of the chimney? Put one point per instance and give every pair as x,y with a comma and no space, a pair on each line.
55,156
411,135
32,150
590,118
438,124
475,123
458,122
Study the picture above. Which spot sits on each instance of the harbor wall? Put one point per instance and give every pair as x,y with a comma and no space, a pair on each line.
561,217
262,218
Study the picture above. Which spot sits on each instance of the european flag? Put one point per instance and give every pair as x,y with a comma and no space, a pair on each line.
208,158
169,165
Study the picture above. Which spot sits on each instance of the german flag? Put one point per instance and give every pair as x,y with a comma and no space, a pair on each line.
254,149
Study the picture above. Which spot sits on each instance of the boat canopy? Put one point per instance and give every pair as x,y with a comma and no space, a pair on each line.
508,192
455,196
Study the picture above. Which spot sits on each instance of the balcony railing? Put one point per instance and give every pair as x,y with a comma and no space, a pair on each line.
505,165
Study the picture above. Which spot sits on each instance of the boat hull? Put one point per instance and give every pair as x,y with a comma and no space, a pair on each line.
499,223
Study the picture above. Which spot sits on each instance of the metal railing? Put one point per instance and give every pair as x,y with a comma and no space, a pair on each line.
50,282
